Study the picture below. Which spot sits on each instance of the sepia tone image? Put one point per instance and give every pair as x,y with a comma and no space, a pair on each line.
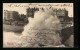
38,25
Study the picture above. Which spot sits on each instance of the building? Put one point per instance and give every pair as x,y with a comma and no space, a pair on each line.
10,15
62,12
31,11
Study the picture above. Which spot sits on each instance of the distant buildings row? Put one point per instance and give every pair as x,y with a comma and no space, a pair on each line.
11,15
57,12
14,18
62,14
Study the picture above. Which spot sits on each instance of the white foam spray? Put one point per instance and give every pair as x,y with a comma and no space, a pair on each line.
42,30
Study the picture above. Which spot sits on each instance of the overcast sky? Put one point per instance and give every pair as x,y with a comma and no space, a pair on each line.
21,7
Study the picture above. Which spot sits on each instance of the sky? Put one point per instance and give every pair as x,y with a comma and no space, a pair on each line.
21,7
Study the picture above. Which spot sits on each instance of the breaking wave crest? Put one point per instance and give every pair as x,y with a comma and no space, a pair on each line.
43,29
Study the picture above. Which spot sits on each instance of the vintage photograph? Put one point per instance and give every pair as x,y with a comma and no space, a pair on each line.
38,25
